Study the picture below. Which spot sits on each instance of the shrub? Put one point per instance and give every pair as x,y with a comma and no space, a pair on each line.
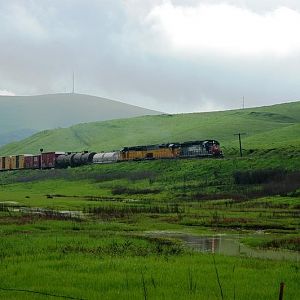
259,176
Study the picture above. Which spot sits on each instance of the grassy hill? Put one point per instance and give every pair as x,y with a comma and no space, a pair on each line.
268,127
20,116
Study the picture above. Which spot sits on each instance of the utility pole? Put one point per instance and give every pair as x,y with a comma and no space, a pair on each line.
240,142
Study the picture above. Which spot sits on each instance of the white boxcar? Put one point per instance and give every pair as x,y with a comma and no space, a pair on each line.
106,157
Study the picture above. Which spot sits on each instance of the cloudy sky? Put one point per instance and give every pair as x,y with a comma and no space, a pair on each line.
168,55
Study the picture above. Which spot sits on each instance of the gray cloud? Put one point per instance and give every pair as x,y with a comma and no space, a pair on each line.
256,5
117,52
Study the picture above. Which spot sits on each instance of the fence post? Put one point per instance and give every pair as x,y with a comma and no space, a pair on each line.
281,291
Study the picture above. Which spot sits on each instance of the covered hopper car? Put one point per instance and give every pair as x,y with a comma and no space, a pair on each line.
106,157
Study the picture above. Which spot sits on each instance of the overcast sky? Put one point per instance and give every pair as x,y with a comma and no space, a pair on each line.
173,56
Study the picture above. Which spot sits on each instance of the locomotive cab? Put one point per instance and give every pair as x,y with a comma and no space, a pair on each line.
215,148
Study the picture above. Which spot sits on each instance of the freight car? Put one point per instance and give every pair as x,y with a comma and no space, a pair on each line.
32,162
47,160
13,162
74,159
4,164
108,157
64,160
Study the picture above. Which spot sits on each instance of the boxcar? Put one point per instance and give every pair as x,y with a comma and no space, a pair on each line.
28,161
14,162
7,163
48,159
22,161
36,161
2,163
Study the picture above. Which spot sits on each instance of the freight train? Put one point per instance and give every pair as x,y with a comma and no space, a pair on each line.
49,160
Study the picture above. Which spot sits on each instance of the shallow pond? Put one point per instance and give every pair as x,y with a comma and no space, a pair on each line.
227,245
12,206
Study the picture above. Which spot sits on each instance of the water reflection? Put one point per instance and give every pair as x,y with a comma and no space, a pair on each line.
227,245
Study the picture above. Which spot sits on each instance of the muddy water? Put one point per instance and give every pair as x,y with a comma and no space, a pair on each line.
12,206
227,245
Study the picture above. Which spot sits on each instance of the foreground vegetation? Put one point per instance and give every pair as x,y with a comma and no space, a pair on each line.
99,231
108,260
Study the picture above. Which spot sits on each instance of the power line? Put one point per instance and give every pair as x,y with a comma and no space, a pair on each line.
40,293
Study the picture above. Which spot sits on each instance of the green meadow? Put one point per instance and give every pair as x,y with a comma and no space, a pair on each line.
101,231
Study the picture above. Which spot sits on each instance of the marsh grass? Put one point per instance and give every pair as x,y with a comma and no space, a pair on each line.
107,254
129,210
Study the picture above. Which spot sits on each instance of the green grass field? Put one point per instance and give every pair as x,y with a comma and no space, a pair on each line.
105,251
95,261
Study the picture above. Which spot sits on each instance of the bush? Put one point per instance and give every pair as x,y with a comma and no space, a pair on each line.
259,176
119,190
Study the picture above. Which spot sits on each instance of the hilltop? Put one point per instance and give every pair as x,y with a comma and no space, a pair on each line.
276,126
21,116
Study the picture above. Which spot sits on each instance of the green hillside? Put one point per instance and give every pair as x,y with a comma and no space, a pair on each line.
276,126
288,136
21,116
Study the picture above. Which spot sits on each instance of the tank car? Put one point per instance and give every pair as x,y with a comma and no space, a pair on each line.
74,159
87,158
64,160
84,158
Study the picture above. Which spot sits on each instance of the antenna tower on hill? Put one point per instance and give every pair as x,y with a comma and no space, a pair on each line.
73,89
